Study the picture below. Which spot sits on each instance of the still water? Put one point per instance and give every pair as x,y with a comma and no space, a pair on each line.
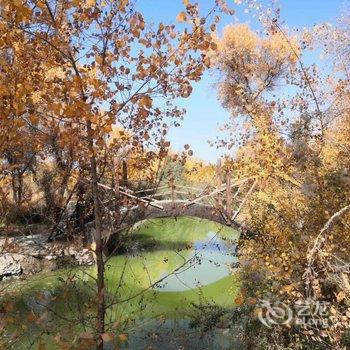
168,266
210,260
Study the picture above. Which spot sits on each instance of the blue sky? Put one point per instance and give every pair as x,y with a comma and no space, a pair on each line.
204,113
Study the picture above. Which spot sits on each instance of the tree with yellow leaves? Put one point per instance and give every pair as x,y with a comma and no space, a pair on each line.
77,68
297,149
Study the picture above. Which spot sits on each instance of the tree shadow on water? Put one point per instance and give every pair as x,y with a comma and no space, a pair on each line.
139,242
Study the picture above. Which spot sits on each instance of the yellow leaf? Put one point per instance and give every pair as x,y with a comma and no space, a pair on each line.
333,310
90,3
19,123
98,59
107,128
146,101
213,46
57,338
123,337
239,300
136,33
258,311
107,337
252,301
288,288
181,17
30,317
33,119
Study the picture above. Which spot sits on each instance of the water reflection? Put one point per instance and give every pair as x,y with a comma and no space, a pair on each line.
178,334
209,260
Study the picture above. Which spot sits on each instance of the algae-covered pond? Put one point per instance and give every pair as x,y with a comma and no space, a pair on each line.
168,268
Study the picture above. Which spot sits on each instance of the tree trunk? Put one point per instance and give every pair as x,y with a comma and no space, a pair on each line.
116,166
99,257
101,307
125,173
228,196
17,188
218,183
80,207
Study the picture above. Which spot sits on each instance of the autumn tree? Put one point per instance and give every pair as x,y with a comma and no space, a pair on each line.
82,67
250,67
295,145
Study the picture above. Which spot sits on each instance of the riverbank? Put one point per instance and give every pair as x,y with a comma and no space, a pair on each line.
25,251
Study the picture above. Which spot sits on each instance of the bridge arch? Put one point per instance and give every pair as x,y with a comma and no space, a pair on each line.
148,207
173,209
166,209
